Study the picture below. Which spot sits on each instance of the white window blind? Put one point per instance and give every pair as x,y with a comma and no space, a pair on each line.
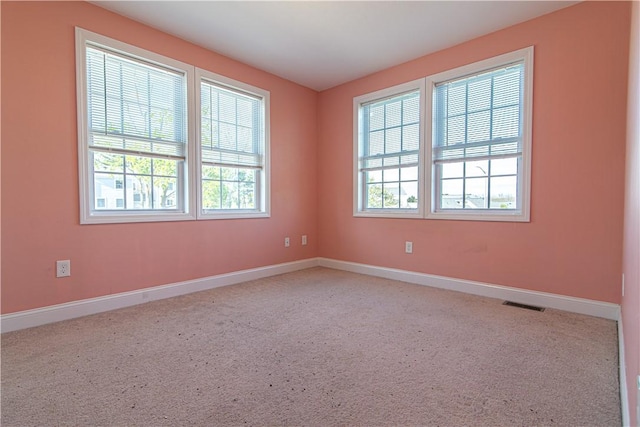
391,132
232,131
135,107
233,148
479,117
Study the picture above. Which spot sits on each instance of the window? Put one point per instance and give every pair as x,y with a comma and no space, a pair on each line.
388,151
140,118
477,145
233,147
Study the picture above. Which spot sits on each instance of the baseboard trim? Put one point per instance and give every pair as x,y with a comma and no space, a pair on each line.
624,393
55,313
540,299
41,316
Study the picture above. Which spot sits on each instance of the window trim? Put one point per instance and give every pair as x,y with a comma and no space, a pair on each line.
426,169
87,215
263,210
358,185
524,187
190,204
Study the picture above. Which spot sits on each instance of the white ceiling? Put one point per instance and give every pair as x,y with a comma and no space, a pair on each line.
321,44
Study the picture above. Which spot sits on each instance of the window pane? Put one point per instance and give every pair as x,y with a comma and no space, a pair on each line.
374,196
247,195
456,97
503,192
411,112
210,172
376,117
227,105
105,187
452,170
393,140
506,122
374,176
411,137
477,168
506,89
211,194
391,175
507,166
164,192
455,130
139,165
409,194
476,193
104,162
139,191
479,126
165,167
480,94
393,114
451,194
376,143
391,196
409,174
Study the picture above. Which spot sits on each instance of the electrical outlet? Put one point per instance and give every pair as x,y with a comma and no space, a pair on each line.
304,240
287,242
408,247
63,268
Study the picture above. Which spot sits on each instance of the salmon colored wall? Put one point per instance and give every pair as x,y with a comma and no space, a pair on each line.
631,254
573,244
40,211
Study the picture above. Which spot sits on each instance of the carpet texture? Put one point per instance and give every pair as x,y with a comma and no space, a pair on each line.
317,347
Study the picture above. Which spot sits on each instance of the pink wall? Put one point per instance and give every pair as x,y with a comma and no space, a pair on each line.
40,218
631,254
573,244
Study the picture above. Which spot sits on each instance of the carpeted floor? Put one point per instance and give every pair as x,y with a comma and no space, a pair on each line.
317,347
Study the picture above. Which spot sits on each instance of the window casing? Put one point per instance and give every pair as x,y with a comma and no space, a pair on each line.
233,154
387,151
141,156
476,145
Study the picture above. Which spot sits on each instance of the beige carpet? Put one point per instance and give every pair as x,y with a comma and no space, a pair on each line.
316,348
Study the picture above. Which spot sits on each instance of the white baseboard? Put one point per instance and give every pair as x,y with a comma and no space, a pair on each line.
624,394
40,316
522,296
55,313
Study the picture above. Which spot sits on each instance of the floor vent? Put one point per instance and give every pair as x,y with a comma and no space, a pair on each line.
528,307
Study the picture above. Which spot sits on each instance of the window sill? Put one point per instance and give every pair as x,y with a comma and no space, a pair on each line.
110,218
480,216
400,213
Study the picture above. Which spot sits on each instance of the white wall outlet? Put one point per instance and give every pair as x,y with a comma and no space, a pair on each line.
287,242
408,247
304,239
63,268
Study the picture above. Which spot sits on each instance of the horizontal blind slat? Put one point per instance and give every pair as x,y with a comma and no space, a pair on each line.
508,146
136,145
231,127
134,105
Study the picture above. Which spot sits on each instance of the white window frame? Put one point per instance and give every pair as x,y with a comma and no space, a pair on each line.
94,216
426,184
524,174
359,207
189,206
262,209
